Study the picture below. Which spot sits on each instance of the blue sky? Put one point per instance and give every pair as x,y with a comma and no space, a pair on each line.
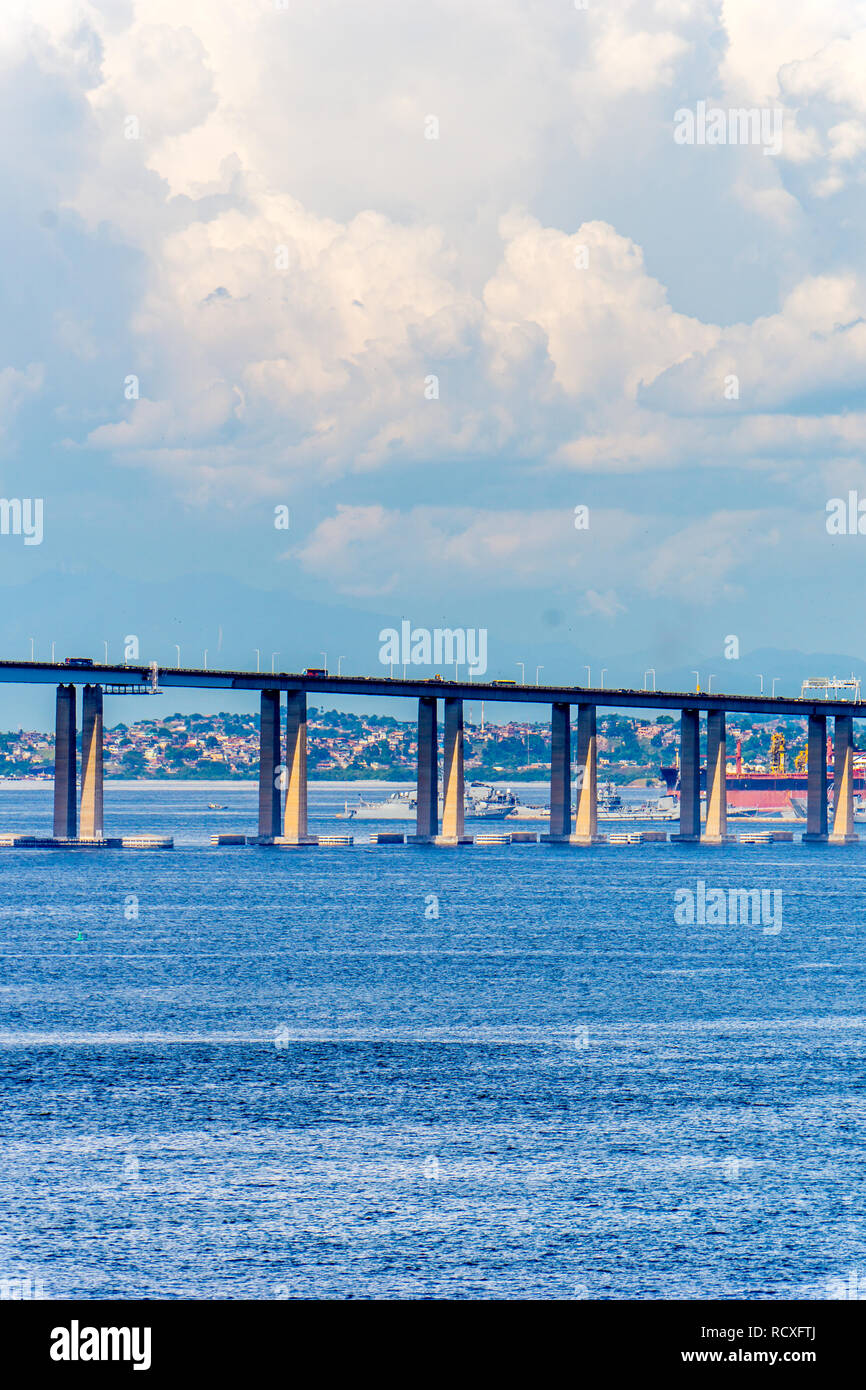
239,206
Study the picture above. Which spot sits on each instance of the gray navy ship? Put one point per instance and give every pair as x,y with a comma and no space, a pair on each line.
481,801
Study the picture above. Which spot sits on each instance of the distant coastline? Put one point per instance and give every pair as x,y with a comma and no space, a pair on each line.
34,783
371,783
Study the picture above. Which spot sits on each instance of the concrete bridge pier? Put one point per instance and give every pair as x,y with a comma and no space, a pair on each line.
452,777
843,782
295,818
269,761
716,826
586,822
91,764
560,775
427,788
65,763
816,795
690,778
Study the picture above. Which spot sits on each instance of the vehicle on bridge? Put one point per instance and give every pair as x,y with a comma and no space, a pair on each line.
317,672
78,661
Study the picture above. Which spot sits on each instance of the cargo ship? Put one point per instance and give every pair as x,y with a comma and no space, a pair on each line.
780,789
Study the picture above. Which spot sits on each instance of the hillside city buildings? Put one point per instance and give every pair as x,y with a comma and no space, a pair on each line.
354,747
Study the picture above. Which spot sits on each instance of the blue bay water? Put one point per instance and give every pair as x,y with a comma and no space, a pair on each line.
265,1073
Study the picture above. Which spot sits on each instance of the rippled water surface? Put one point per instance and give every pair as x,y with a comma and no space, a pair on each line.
407,1072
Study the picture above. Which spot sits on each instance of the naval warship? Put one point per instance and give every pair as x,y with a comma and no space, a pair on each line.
481,801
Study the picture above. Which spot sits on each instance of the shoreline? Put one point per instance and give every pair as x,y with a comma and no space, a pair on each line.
215,783
34,783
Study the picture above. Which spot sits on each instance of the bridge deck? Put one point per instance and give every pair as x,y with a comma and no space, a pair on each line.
170,677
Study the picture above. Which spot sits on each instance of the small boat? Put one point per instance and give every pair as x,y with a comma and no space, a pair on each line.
215,806
524,812
664,808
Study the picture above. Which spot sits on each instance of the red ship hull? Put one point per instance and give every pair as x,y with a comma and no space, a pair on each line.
763,791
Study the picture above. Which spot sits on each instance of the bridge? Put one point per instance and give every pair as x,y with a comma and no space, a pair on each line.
283,747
